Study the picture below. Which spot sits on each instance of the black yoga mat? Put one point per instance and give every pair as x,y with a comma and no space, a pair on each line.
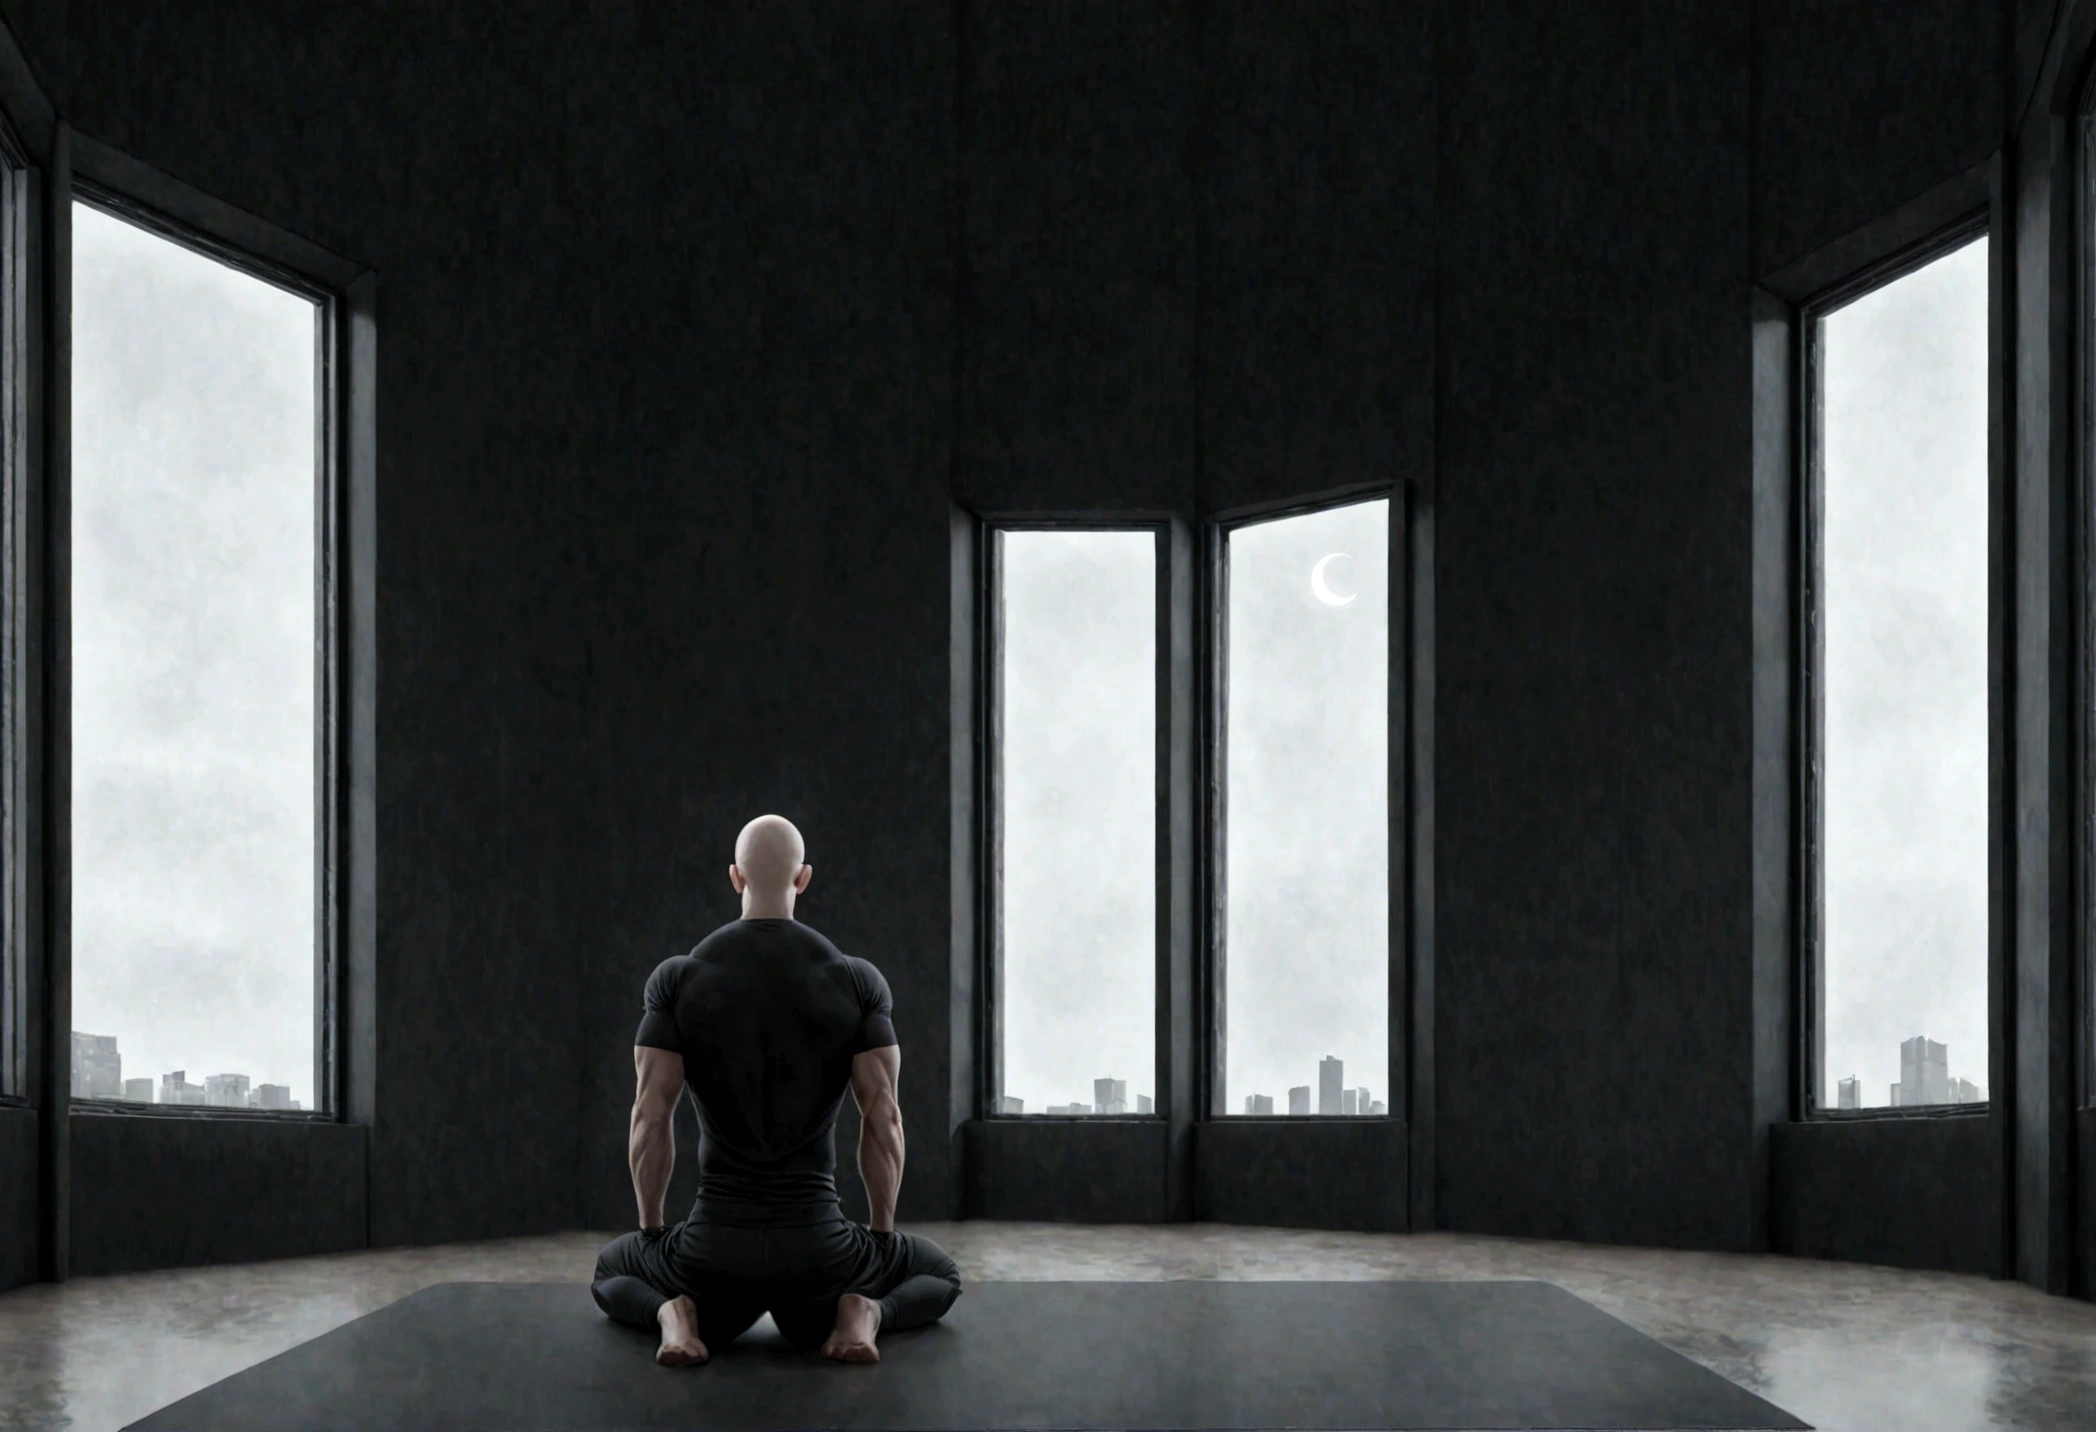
1083,1357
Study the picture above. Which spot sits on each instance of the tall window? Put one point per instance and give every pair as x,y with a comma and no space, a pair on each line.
196,512
1900,508
1075,821
1305,952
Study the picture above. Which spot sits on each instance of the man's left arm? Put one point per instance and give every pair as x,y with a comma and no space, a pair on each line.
651,1141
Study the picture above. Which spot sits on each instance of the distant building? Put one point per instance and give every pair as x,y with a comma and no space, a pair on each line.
1331,1073
175,1088
1110,1096
1361,1100
98,1070
296,1105
1299,1099
272,1096
139,1091
1376,1108
1894,1100
1964,1091
1069,1108
1924,1072
1850,1095
1006,1104
225,1091
1144,1104
1347,1101
1259,1103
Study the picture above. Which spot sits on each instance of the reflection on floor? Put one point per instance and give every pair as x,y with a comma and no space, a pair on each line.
1847,1348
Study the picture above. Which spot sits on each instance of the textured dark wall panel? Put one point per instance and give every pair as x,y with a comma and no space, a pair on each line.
1860,107
170,1193
1912,1193
1068,1171
1593,845
1302,1175
39,28
1077,171
1317,290
767,511
18,1196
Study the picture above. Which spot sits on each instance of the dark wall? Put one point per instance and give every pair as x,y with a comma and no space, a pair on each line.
148,1193
1316,321
1911,1193
18,1196
1324,1174
1860,107
1594,966
1070,1172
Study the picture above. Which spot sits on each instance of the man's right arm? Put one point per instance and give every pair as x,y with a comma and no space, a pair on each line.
874,1076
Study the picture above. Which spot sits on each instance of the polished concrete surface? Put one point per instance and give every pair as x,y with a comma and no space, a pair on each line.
1845,1347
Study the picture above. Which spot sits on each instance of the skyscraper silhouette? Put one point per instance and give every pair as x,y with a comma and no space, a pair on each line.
1259,1103
98,1070
225,1091
1331,1073
1850,1094
1299,1099
175,1088
1110,1096
1924,1072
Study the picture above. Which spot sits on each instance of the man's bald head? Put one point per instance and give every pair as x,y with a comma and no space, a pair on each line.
769,861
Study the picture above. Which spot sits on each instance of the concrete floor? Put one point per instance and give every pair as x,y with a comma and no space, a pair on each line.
1845,1347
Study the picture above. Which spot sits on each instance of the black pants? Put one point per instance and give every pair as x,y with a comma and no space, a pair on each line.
733,1275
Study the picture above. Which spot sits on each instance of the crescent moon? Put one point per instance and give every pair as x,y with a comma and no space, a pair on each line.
1317,582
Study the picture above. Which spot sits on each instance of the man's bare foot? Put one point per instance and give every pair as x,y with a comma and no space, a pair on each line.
680,1334
858,1319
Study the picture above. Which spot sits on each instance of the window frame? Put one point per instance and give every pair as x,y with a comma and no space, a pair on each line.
1214,1025
990,1057
1974,225
333,299
2082,554
20,400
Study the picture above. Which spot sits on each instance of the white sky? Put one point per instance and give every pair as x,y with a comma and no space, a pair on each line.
1905,612
1079,807
193,661
1307,935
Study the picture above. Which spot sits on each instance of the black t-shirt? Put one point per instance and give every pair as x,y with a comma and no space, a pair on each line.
768,1015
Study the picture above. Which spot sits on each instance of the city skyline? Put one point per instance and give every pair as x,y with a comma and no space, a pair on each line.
1110,1096
97,1073
1925,1080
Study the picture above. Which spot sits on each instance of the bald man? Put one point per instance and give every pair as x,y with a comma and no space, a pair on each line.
768,1023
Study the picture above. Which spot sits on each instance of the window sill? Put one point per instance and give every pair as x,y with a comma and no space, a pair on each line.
118,1109
1894,1116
